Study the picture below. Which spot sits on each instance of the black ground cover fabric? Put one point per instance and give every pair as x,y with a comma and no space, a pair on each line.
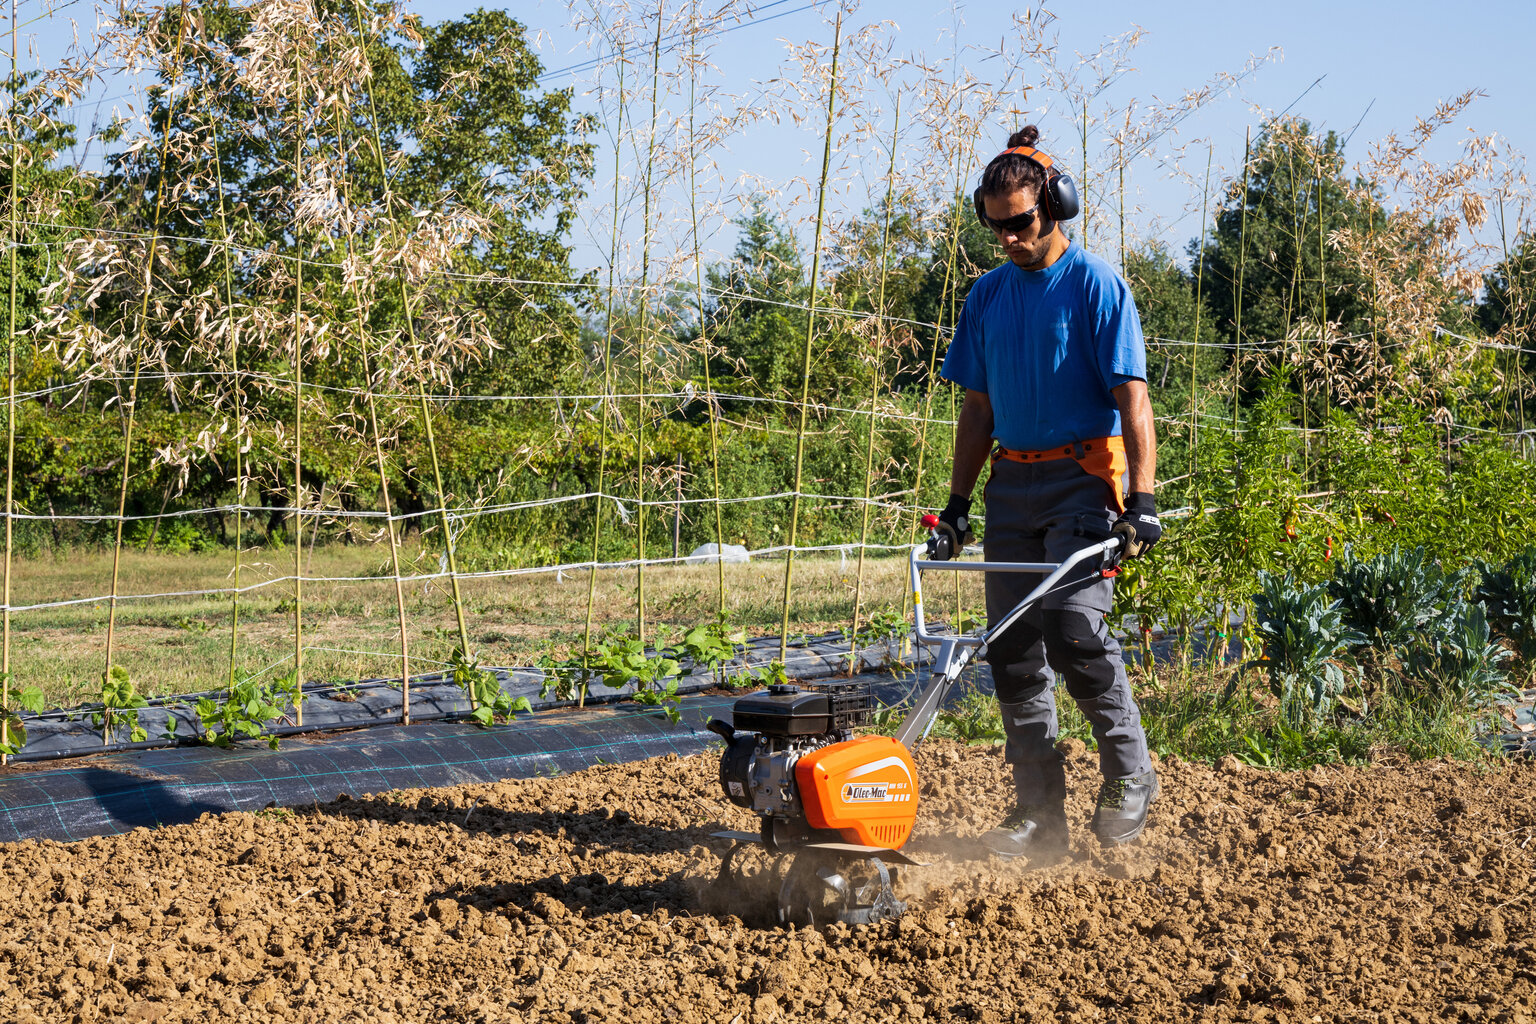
111,793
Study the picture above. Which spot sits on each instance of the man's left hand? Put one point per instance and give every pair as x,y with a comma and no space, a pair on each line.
1139,524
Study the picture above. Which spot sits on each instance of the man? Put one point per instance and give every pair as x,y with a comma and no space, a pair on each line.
1050,353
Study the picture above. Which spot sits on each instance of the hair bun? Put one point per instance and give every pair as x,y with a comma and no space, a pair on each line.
1029,135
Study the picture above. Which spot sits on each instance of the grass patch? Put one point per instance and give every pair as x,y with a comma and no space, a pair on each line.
172,645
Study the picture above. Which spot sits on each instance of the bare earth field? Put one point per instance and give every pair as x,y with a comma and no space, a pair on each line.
1389,893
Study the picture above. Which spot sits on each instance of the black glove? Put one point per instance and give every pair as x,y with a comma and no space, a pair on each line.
1139,524
954,529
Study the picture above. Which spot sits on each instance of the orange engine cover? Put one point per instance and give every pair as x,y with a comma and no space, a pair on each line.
865,788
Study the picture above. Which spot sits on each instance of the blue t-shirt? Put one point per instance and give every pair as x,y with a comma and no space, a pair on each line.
1047,347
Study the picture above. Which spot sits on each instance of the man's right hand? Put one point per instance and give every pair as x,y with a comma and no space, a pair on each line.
954,529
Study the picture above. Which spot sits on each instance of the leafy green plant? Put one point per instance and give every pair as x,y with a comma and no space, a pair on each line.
771,674
1390,598
620,659
28,698
1284,747
1509,594
245,711
710,645
486,696
1459,660
120,704
1305,646
881,625
888,718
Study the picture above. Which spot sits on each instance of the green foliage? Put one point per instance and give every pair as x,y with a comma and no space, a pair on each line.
1283,747
486,696
1305,647
1389,599
1509,594
708,645
246,710
1458,660
27,698
120,704
1297,192
974,718
761,337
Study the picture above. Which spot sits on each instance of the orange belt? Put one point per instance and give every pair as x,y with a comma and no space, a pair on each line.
1103,457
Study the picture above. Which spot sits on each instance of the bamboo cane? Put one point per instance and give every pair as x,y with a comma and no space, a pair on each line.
408,315
640,340
1194,356
933,363
234,365
874,385
810,335
298,409
10,416
1083,186
709,385
602,447
378,448
140,336
1322,300
1242,259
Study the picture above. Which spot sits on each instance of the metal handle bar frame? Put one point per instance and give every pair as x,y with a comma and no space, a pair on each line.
957,651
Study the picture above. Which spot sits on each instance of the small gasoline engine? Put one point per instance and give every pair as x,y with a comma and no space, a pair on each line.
844,805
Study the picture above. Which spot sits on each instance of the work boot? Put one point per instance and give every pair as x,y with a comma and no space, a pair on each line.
1122,810
1039,833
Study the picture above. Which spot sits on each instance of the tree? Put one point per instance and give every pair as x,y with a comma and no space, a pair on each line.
461,122
51,202
1274,237
1165,302
757,317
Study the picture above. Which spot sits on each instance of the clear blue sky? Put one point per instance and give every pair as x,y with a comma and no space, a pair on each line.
1381,65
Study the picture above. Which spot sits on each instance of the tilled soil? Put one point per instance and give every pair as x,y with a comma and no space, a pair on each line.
1389,893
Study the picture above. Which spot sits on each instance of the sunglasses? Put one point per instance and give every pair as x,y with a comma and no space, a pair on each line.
1018,222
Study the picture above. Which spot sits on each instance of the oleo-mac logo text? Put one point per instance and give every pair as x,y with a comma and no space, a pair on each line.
865,792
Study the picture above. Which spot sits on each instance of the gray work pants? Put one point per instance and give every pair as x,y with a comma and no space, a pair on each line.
1042,512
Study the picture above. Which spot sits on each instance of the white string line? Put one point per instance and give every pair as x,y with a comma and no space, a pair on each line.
687,393
625,502
376,654
264,254
569,567
1226,423
559,570
464,512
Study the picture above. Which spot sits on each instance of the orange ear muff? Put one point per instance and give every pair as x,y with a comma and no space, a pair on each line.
1060,190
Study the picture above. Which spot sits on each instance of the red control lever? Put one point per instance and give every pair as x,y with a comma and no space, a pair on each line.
930,520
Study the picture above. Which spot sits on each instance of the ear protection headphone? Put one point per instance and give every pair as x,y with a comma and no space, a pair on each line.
1060,191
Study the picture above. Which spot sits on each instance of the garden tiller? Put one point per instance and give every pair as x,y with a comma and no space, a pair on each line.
842,806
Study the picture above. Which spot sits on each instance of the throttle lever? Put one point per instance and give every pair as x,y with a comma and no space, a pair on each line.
943,544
